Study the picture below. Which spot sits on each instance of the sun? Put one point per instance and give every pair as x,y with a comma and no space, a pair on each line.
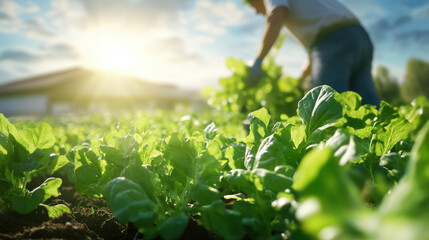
113,55
109,49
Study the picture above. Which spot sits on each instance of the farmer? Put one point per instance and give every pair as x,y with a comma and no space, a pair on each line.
339,49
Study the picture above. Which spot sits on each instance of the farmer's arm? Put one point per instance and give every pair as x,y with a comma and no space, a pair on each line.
274,22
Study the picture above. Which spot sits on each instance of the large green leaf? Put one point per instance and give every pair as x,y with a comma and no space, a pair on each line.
146,177
398,129
210,131
273,181
30,147
237,66
27,203
350,100
129,203
181,154
224,222
174,227
417,113
5,150
319,109
204,194
90,172
387,113
6,127
236,155
56,162
271,153
41,137
401,215
259,122
25,162
348,147
361,120
56,210
121,151
326,193
207,168
240,180
419,165
411,195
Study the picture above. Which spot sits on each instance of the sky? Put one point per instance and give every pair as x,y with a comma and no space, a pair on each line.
183,42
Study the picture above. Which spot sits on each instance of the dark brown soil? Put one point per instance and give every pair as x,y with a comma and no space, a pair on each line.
90,218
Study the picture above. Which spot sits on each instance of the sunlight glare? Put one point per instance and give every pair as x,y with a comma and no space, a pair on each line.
109,50
113,49
114,55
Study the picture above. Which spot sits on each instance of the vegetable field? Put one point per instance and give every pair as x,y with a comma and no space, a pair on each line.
333,170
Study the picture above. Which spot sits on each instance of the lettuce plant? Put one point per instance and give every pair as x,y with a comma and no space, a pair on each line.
25,153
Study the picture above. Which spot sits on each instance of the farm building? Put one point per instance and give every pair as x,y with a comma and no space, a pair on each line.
81,89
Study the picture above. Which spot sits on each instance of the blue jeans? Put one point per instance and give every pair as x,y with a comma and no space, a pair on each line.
342,59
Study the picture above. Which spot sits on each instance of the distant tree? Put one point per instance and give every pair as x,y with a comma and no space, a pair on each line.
387,86
416,82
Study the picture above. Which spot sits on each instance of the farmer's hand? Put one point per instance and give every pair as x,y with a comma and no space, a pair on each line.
255,73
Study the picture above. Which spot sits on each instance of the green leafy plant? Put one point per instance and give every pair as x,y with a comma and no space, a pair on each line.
277,93
334,169
25,153
331,208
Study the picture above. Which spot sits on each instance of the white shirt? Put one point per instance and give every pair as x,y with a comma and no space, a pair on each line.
307,17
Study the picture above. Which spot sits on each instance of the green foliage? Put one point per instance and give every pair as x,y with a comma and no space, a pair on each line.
55,211
277,93
319,109
417,112
416,80
387,86
335,170
336,213
129,202
173,227
224,222
27,203
24,153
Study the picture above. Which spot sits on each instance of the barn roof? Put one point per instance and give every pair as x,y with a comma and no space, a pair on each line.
40,81
83,82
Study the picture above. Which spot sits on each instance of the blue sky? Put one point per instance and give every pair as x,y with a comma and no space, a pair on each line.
184,42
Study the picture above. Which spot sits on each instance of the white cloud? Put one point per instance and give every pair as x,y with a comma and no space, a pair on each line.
10,21
214,17
21,62
9,12
422,12
58,52
8,24
67,15
19,55
10,7
14,9
134,15
38,28
32,8
366,10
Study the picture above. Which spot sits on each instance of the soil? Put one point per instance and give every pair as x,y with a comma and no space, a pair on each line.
90,218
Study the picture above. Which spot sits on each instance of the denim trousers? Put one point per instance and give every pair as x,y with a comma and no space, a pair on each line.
342,59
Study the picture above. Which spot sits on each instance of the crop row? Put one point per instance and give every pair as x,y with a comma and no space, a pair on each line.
335,170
